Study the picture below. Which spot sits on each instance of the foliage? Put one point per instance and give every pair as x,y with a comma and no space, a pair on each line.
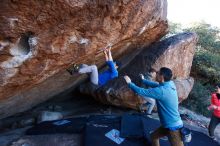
209,38
206,64
199,98
174,28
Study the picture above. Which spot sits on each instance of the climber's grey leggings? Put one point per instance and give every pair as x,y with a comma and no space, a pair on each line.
151,103
93,72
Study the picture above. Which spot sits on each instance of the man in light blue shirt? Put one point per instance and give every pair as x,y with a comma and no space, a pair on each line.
167,103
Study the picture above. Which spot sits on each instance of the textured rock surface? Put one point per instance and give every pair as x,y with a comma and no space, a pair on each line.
184,86
175,52
38,39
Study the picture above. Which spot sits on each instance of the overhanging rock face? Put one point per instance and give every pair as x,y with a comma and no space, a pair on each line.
39,39
175,52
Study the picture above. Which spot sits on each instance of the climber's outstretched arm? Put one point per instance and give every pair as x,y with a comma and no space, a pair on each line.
106,55
109,53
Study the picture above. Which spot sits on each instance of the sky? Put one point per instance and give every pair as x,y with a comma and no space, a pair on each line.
189,11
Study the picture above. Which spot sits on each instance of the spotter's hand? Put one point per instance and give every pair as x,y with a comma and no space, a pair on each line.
127,79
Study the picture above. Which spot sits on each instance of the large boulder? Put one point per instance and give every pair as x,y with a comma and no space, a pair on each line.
184,86
175,52
122,96
39,39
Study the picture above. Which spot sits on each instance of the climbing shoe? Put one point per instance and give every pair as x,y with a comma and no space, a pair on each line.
142,108
73,69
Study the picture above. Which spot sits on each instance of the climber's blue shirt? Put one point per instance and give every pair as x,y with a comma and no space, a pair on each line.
109,74
167,101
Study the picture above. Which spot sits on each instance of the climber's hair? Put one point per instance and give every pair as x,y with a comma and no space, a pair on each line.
152,70
118,63
218,85
166,73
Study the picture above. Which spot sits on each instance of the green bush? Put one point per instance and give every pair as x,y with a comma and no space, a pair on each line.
199,98
207,65
208,36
